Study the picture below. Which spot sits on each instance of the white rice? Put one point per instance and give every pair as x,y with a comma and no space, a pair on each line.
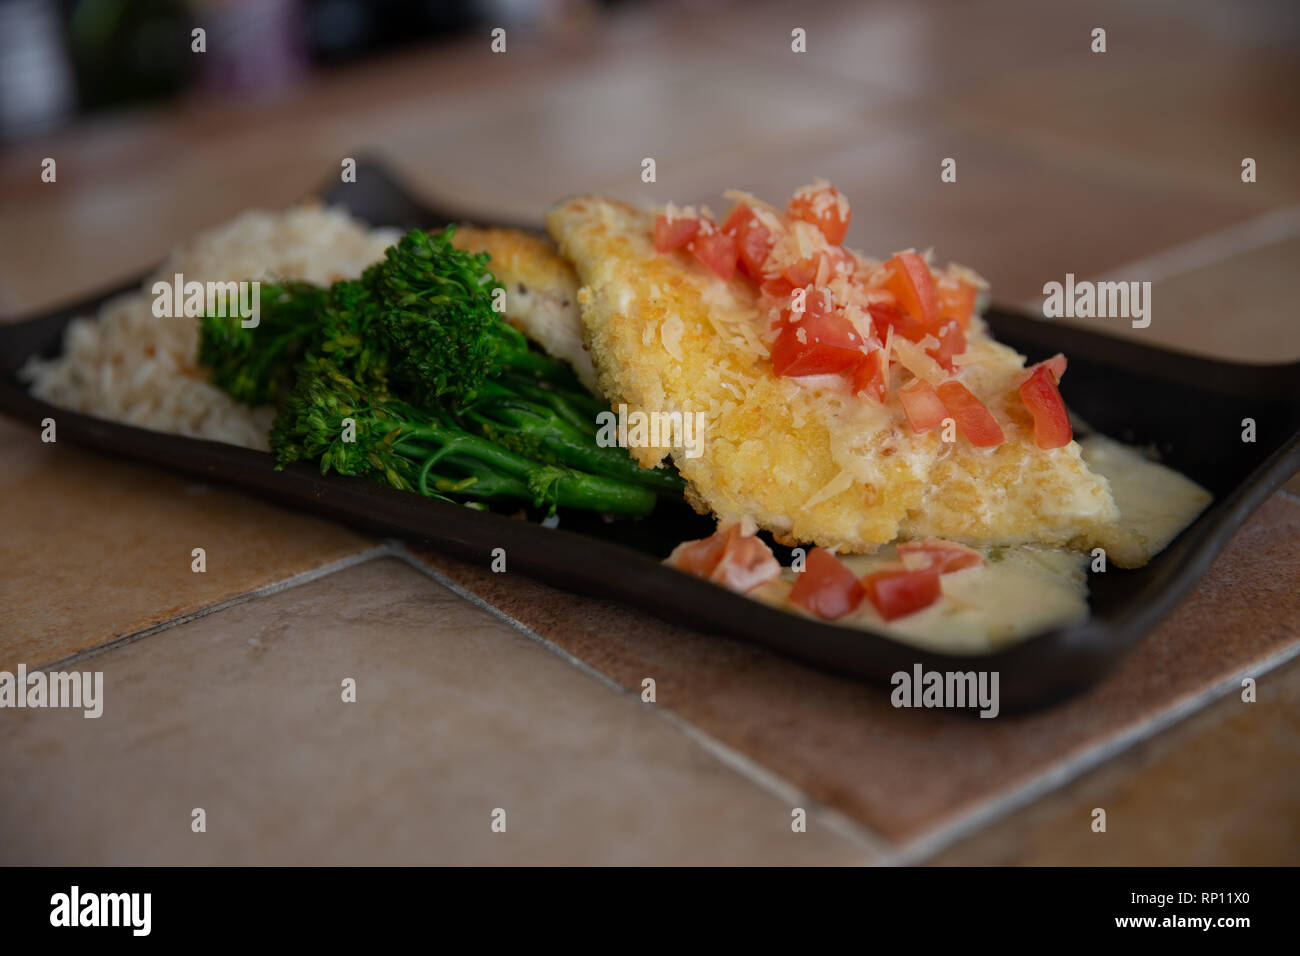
128,365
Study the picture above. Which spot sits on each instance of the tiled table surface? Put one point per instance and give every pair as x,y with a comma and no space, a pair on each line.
479,691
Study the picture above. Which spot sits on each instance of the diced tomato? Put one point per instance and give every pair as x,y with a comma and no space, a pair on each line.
777,286
952,341
738,220
956,301
896,593
819,301
826,587
944,556
824,208
1056,364
887,314
746,563
973,419
921,405
717,251
1043,399
727,557
755,247
670,235
910,280
871,377
823,341
804,272
816,304
793,358
699,557
797,275
753,240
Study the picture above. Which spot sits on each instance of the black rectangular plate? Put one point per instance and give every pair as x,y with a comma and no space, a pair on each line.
1189,409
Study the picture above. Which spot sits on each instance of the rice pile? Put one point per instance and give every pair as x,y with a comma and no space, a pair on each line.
130,366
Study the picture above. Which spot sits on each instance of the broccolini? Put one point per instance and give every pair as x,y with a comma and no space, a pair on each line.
441,396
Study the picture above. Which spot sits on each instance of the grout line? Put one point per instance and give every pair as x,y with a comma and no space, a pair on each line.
1255,233
1071,768
465,593
275,587
839,823
834,820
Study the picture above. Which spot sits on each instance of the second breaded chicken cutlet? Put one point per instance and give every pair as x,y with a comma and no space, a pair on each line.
849,402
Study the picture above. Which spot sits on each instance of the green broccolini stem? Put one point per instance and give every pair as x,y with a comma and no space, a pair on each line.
426,450
574,404
547,484
539,432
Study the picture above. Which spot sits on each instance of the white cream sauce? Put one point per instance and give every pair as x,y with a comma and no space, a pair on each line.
1019,591
1155,503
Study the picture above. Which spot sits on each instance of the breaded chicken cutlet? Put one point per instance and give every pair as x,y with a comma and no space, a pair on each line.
849,402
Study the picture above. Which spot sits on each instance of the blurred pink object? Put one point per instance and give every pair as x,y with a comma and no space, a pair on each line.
252,45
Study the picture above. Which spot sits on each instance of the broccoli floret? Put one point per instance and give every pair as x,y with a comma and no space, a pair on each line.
437,317
439,323
255,365
348,333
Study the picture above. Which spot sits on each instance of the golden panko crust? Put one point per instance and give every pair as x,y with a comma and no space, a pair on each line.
804,458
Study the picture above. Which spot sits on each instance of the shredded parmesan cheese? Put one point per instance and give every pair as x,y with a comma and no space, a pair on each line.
670,333
917,362
841,482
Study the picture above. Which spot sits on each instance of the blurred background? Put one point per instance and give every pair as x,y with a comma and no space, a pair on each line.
61,59
1068,159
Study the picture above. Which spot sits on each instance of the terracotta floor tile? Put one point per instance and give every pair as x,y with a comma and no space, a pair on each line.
173,172
903,773
913,49
95,548
513,155
881,135
1228,310
1197,779
1018,218
456,714
1164,114
679,106
1024,73
944,48
73,242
